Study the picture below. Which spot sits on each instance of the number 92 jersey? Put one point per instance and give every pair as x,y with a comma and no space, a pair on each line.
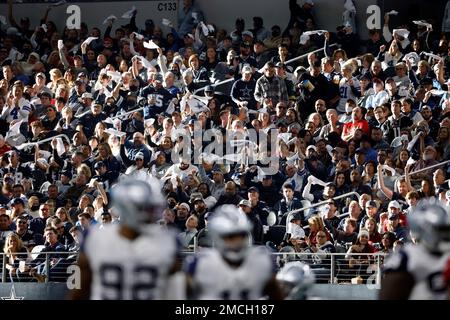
125,269
214,279
426,269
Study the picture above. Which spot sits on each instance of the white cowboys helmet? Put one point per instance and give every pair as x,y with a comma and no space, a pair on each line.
227,222
430,224
137,202
296,278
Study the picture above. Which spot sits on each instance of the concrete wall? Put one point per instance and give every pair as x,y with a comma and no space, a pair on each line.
58,291
223,13
328,13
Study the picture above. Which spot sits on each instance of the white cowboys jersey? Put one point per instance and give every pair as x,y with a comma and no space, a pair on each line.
125,269
427,270
215,279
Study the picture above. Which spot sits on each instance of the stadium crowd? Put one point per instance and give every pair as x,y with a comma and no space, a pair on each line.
357,117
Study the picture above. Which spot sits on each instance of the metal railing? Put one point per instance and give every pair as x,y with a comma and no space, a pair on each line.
437,165
261,70
318,204
331,268
37,267
24,145
339,268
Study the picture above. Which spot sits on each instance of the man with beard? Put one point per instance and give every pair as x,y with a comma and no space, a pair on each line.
230,196
432,123
259,208
313,86
270,89
258,230
157,97
182,210
200,210
377,137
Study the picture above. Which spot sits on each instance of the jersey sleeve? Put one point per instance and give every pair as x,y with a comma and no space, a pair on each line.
397,262
190,265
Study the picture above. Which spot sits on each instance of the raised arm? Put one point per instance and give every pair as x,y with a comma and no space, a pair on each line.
381,184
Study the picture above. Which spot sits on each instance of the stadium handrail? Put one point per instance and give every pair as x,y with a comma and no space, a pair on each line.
260,70
22,146
427,168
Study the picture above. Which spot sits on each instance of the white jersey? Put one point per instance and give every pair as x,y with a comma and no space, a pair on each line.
427,270
345,91
215,279
125,269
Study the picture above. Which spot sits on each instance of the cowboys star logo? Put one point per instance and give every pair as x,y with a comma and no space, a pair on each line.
12,295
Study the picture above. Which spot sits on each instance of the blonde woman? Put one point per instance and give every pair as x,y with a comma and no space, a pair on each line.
349,86
55,75
16,256
390,58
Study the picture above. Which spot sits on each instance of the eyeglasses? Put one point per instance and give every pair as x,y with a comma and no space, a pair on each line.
139,159
364,237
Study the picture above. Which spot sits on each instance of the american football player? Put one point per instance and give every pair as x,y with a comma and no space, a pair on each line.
417,270
232,269
295,278
131,260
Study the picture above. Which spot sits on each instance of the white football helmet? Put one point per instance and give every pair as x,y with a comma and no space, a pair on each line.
227,222
296,278
137,202
430,224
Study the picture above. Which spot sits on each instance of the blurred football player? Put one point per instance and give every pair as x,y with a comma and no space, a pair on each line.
296,279
417,270
131,260
232,269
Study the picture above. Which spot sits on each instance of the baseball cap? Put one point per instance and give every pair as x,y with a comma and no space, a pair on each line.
139,155
87,95
247,69
209,89
247,33
198,199
245,44
41,74
99,164
361,151
294,125
389,80
253,189
17,201
296,216
217,171
68,174
371,203
311,147
159,77
245,203
394,204
185,205
149,22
